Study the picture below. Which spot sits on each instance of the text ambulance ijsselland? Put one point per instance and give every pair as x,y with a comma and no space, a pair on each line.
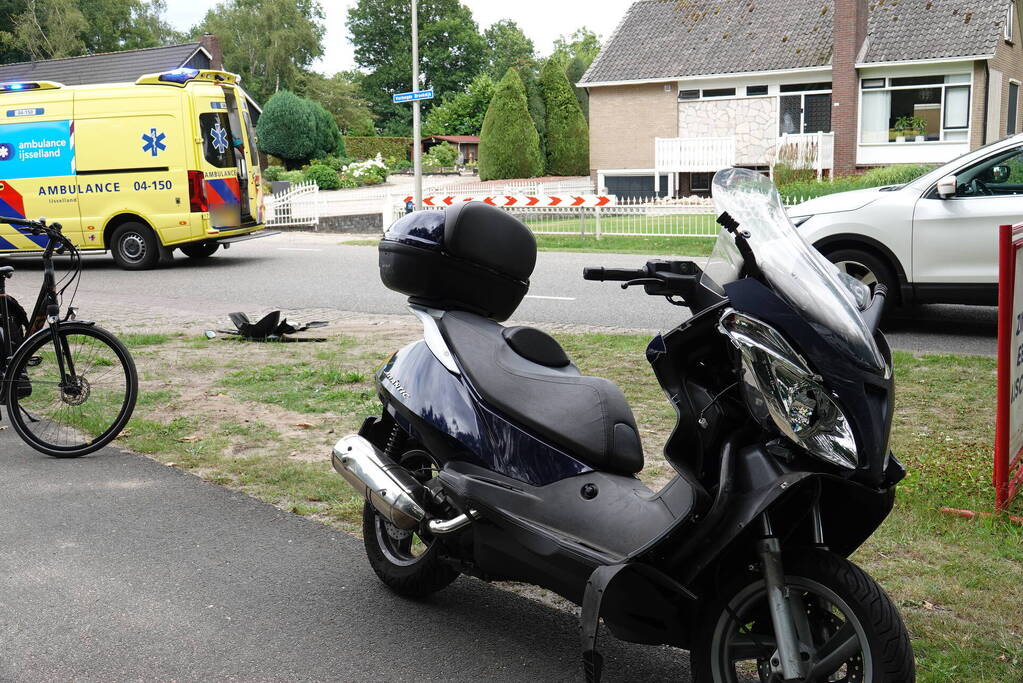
168,162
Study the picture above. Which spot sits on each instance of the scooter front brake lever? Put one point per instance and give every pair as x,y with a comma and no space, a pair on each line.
643,281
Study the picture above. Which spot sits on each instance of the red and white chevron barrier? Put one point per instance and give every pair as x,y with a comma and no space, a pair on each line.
520,200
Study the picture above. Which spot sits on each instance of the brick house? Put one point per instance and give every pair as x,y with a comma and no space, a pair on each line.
683,89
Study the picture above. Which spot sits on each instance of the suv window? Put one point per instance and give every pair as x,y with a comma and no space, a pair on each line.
217,140
999,175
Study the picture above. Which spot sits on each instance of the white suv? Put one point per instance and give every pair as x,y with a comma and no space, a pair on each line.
934,240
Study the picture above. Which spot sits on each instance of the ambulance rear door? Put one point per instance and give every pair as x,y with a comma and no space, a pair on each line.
222,158
37,165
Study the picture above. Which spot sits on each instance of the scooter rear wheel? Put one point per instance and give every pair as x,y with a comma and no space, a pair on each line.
406,561
842,617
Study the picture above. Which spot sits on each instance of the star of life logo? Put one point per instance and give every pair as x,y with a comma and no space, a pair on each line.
6,151
218,138
154,142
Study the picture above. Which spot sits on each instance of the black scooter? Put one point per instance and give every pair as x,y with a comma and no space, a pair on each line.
495,457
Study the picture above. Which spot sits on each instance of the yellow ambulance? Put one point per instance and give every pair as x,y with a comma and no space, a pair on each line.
138,169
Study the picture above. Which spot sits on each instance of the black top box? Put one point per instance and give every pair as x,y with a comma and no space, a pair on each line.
471,257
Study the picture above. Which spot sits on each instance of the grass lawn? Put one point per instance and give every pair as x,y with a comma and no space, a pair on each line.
262,417
654,245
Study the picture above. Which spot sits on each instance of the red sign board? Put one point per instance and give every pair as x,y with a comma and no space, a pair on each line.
1008,474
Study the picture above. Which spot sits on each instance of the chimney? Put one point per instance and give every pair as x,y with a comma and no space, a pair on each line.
849,32
212,45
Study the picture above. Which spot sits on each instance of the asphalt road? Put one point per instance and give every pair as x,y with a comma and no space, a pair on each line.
115,567
313,271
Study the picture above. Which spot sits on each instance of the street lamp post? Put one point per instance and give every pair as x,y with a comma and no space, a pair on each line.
417,150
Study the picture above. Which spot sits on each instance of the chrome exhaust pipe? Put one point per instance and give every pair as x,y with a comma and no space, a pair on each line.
388,487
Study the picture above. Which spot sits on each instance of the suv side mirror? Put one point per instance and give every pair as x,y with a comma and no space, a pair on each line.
947,187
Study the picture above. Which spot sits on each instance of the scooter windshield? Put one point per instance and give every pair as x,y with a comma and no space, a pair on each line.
797,272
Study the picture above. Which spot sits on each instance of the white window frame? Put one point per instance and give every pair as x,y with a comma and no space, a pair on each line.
941,115
1019,96
1010,20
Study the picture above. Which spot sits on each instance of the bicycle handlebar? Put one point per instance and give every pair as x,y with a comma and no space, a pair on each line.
36,226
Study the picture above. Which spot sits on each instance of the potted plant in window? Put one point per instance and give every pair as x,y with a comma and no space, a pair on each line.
910,127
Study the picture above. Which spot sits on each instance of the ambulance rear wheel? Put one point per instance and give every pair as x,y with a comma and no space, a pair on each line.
200,250
135,247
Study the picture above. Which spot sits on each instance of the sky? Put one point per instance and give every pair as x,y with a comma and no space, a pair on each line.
542,20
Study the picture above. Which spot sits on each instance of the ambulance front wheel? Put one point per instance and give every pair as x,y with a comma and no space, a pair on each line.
200,250
135,246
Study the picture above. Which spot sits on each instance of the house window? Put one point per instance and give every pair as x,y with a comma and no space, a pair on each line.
720,92
804,87
699,182
1010,126
754,90
915,109
689,94
809,113
1010,19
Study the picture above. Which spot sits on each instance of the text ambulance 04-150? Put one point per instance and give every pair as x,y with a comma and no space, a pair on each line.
168,162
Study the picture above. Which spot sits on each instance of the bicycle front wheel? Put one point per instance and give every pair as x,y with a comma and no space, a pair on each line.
71,396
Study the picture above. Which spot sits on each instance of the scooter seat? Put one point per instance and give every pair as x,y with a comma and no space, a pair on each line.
524,374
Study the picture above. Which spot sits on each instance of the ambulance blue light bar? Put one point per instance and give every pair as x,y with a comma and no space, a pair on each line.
21,86
183,76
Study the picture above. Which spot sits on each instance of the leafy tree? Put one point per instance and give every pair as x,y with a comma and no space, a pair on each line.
441,156
47,29
461,114
113,25
341,96
509,143
451,53
287,129
537,109
507,47
328,137
268,42
568,140
576,52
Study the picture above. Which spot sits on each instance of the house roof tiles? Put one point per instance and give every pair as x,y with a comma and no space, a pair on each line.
680,38
109,67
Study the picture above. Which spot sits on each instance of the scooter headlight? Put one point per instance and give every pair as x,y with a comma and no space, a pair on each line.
782,391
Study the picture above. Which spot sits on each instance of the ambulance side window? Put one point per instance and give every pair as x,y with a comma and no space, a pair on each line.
215,129
251,130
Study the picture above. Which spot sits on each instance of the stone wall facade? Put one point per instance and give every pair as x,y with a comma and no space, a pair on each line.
753,122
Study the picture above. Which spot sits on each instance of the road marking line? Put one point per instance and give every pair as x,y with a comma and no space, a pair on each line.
551,298
296,249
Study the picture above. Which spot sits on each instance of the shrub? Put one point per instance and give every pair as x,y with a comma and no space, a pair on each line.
443,155
568,137
328,137
509,143
293,176
369,147
369,172
394,165
324,176
791,186
287,128
347,182
336,163
272,173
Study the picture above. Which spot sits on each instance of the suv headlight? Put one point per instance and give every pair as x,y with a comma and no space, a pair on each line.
782,391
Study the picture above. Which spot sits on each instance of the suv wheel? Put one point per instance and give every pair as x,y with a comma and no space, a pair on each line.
867,268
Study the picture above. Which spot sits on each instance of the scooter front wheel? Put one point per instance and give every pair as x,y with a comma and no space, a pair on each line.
847,626
406,561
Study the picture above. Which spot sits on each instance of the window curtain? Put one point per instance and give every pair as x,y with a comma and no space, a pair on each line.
875,115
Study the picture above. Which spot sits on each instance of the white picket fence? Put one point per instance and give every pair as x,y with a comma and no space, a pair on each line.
298,205
627,218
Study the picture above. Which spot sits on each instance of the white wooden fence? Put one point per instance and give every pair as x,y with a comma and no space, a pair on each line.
298,205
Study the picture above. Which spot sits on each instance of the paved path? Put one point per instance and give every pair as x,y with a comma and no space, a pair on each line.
115,567
298,271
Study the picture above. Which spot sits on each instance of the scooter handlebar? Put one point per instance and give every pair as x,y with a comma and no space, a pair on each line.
602,274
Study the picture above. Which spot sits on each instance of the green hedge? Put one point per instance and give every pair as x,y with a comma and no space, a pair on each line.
367,148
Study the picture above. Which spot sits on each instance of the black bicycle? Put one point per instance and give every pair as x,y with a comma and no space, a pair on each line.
69,386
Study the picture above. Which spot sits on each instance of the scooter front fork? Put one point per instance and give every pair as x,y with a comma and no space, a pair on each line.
788,659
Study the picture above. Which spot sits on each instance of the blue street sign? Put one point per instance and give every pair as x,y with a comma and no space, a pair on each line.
413,96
